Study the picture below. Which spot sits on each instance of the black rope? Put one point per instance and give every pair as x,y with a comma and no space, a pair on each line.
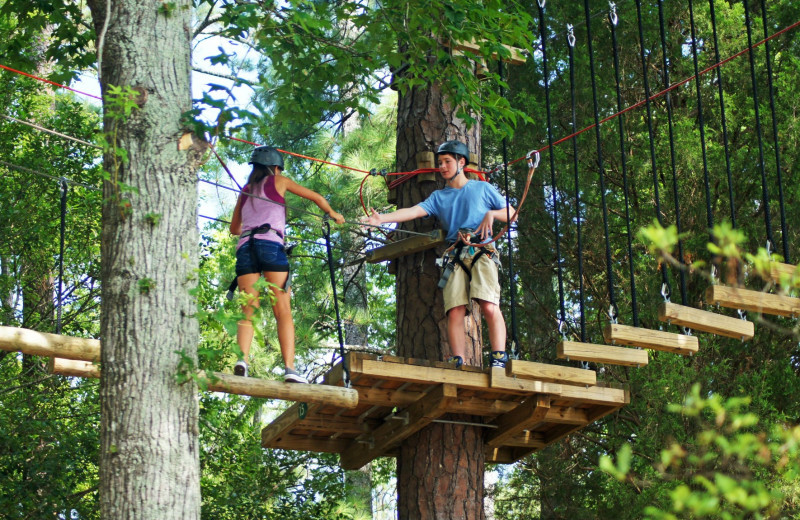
764,188
717,59
63,234
511,275
578,218
701,123
623,155
554,187
666,63
654,165
327,233
784,234
601,169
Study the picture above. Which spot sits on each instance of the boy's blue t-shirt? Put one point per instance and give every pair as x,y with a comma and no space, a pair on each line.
465,207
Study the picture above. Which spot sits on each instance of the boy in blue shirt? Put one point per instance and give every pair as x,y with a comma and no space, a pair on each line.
472,206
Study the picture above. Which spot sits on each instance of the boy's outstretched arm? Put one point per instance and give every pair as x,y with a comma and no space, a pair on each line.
401,215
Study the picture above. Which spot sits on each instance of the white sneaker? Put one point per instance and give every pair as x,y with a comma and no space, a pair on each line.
291,376
240,369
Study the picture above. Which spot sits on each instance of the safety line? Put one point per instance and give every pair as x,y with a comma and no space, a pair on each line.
300,155
51,177
48,81
53,132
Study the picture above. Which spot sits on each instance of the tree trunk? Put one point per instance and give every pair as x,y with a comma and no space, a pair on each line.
440,469
149,464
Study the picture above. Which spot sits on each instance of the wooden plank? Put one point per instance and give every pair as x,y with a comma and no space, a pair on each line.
566,415
550,373
600,395
706,321
305,443
524,417
34,343
506,454
281,426
419,415
527,439
578,394
756,301
784,274
500,381
73,367
559,432
602,353
405,247
337,424
424,375
269,389
653,339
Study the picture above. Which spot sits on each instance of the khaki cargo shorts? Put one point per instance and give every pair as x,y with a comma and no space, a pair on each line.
485,284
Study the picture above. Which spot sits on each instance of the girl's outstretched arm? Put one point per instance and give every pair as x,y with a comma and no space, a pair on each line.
313,196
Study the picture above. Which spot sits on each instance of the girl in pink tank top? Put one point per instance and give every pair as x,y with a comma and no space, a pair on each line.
260,219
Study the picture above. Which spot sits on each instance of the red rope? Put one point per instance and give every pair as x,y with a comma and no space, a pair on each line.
301,156
48,81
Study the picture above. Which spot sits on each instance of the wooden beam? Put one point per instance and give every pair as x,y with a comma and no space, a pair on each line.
602,353
304,443
524,417
551,373
500,381
281,426
426,160
424,375
269,389
337,423
706,321
580,394
600,395
756,301
405,247
73,367
43,344
683,344
417,416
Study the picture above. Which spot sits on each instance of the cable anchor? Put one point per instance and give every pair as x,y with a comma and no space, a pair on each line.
742,314
687,331
541,3
713,274
665,292
612,15
562,329
612,313
571,35
533,163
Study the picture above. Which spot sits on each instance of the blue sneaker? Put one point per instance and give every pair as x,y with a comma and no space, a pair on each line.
499,358
457,360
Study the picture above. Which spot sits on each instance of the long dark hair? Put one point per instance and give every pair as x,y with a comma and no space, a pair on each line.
257,176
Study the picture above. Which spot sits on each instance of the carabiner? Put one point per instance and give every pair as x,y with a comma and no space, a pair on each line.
612,15
571,35
533,163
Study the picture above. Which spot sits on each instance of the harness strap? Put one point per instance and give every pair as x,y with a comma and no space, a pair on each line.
250,234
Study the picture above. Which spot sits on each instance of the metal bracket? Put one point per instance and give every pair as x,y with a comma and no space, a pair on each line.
571,35
612,15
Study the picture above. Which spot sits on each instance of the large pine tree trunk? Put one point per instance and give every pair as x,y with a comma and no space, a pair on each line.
440,469
149,464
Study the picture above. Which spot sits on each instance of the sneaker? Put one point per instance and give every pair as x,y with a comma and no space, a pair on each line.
457,360
291,376
240,369
499,358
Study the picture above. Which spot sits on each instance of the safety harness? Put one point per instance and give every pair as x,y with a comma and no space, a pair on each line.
250,234
459,249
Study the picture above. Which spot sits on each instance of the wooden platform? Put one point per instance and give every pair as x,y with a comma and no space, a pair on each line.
522,408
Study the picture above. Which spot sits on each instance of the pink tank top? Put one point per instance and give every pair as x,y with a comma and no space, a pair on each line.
256,211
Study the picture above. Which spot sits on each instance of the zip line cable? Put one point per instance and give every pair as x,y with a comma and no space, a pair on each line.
781,203
670,128
52,132
612,310
43,80
613,17
51,177
578,217
724,119
562,318
759,132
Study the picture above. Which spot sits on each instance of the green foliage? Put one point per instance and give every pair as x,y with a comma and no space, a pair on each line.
731,469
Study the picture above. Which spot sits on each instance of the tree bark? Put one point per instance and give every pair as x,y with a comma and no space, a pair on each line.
440,469
149,464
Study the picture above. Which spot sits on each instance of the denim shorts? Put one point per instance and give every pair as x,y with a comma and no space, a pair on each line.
269,256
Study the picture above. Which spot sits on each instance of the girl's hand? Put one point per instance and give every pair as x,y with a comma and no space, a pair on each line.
337,217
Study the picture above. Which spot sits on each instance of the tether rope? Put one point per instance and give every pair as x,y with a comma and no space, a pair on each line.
43,80
612,310
52,132
578,217
613,17
326,230
62,239
670,128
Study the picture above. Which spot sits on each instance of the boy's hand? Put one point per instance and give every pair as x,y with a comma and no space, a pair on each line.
373,219
337,217
485,228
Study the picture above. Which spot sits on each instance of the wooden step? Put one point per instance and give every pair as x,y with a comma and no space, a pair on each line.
683,344
756,301
551,373
405,247
706,321
788,272
602,353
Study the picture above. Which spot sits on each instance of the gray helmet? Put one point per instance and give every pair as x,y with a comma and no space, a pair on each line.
267,156
454,147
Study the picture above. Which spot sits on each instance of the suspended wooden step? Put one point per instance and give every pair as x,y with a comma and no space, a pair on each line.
552,373
398,397
602,353
756,301
653,339
405,247
85,350
706,321
779,272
